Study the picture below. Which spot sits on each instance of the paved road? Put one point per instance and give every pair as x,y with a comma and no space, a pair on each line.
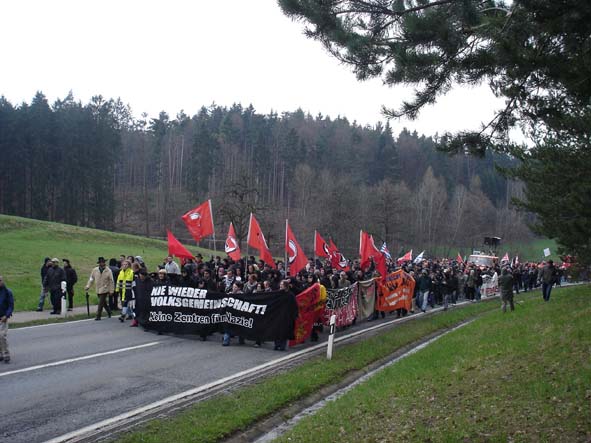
48,401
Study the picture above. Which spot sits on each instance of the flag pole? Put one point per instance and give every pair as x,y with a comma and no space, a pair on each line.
212,225
248,235
287,269
315,256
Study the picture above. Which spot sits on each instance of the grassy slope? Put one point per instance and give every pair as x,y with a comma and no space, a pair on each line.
521,376
26,242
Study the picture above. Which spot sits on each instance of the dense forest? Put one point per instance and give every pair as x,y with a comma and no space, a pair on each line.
97,165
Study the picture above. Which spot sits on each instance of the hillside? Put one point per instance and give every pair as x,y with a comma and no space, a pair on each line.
26,242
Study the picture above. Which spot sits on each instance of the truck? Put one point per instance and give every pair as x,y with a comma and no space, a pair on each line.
483,260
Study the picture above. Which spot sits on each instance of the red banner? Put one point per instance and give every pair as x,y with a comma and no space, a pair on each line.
310,307
396,291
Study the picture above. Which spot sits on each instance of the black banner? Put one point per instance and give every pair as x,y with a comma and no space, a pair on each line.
257,316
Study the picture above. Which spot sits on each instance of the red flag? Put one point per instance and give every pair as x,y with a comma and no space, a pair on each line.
232,247
199,221
176,248
295,255
321,248
337,260
405,257
367,250
256,239
459,258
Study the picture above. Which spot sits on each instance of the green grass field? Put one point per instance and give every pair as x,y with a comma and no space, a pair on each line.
25,243
523,376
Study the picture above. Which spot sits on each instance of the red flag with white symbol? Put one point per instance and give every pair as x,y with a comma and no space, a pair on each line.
199,221
321,248
296,258
337,260
232,247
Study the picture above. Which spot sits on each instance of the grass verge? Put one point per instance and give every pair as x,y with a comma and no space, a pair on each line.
219,417
521,376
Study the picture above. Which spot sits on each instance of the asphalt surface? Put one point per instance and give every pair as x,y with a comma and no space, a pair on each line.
40,402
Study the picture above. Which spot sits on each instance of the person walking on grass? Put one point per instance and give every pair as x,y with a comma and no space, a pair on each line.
548,279
6,308
102,277
506,286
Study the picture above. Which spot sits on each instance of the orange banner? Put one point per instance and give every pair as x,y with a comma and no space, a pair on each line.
396,291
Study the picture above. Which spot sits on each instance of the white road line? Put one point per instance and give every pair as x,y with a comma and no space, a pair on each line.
15,328
72,360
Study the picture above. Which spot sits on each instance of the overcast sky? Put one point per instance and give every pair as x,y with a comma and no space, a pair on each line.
182,54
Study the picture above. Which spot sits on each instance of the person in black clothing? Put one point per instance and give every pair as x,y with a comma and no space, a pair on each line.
53,281
143,289
281,342
207,281
186,278
44,290
115,268
71,279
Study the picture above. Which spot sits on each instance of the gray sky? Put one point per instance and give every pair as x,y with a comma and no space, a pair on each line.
182,54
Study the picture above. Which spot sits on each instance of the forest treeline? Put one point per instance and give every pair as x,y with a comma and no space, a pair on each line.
97,165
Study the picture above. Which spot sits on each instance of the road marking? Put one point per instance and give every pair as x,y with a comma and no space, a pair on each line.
14,329
72,360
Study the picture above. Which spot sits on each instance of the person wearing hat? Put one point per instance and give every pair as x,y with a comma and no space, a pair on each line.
53,282
105,286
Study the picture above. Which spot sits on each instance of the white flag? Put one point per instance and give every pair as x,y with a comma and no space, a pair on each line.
547,252
419,257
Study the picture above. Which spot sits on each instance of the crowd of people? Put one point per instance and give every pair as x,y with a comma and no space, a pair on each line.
438,281
120,283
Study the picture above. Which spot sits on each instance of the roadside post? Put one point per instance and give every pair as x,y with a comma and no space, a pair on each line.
87,304
64,301
333,320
